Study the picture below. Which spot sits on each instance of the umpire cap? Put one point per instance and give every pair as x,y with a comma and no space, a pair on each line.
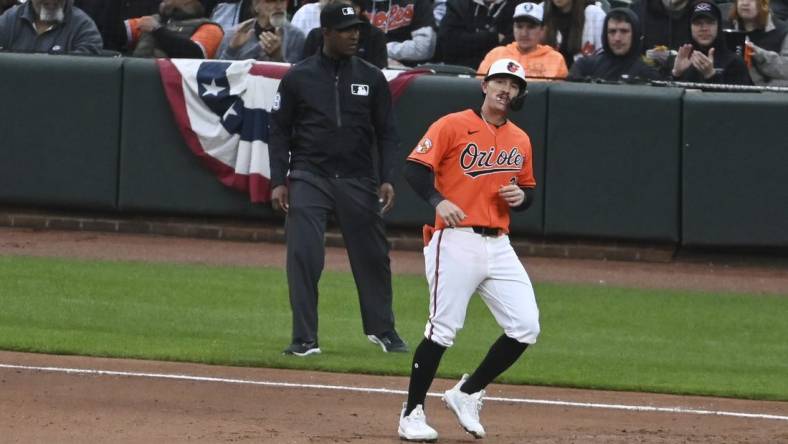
338,16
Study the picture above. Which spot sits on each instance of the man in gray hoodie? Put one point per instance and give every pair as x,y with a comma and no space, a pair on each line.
52,26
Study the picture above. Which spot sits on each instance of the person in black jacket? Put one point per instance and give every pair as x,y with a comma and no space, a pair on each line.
664,27
707,59
621,57
470,29
329,111
371,40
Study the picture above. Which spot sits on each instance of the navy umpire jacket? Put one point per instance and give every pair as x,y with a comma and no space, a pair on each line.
327,116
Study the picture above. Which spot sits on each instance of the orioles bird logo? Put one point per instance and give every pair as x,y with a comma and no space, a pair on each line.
512,67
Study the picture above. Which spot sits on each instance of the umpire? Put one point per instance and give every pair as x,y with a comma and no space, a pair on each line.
329,112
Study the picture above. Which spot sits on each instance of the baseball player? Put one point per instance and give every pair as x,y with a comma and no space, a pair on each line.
473,166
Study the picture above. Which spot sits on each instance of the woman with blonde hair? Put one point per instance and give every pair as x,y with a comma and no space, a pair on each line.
767,41
573,27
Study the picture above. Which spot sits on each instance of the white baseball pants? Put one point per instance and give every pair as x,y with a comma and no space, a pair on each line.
459,263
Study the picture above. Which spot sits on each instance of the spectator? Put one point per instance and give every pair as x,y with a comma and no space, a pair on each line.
540,61
56,27
471,28
371,40
307,17
707,59
620,58
573,27
409,28
110,17
7,4
768,41
267,37
228,14
665,27
180,29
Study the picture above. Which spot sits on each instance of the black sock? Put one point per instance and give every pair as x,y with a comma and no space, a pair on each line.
501,356
425,363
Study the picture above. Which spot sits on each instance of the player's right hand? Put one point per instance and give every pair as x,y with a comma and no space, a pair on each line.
279,198
451,214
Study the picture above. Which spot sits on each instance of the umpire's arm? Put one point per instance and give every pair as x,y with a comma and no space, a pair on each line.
385,129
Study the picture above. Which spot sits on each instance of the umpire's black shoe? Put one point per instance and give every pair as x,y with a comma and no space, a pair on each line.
390,342
302,349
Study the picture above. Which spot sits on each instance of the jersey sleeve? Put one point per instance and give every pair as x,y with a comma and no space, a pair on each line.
526,177
432,145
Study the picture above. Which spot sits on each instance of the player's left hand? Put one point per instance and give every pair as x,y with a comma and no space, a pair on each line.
512,194
386,197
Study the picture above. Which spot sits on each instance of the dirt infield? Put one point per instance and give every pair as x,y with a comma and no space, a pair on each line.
144,401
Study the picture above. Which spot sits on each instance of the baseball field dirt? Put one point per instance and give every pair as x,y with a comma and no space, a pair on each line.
70,399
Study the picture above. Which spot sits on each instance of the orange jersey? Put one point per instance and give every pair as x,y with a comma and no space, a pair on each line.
472,160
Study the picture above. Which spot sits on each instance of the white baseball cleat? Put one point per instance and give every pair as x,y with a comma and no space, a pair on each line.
414,426
466,407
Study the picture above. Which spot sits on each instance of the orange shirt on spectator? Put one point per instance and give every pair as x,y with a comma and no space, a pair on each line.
542,62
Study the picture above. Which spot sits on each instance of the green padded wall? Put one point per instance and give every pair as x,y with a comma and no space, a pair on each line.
431,97
613,162
735,181
158,171
59,130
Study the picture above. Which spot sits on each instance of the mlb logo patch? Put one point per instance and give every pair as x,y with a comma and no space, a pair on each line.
348,11
359,89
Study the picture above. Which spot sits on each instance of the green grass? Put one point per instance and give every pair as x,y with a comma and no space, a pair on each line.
592,336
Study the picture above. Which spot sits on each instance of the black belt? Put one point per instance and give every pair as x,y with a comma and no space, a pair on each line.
487,231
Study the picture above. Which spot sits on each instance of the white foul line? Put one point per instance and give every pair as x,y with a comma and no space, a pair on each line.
592,405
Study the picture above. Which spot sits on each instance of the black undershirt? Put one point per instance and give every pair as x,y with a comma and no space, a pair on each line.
422,180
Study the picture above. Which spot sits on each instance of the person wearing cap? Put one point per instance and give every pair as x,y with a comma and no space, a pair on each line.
267,37
707,59
540,61
329,112
471,28
620,59
371,40
767,41
473,167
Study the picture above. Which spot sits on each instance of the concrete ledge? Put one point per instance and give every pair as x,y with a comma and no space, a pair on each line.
251,231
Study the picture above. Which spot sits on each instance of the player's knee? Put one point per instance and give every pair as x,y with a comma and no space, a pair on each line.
440,335
526,331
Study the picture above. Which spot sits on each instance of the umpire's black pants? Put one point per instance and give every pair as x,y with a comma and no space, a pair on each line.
354,203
